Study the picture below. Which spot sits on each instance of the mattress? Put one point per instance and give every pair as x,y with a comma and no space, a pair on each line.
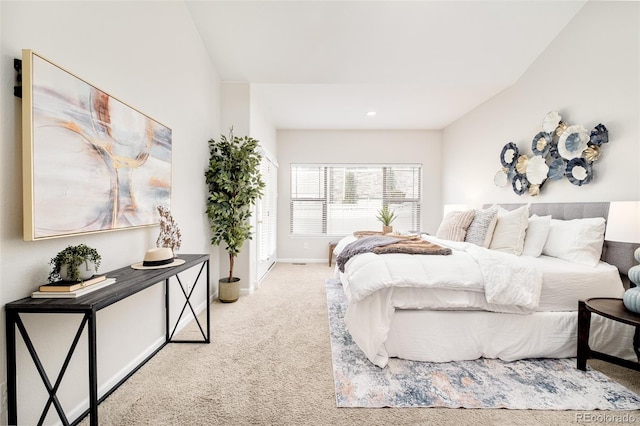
564,283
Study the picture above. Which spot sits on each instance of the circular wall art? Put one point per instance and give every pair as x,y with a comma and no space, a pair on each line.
520,184
579,171
559,151
573,142
541,144
509,155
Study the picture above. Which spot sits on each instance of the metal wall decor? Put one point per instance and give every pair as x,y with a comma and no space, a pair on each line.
559,150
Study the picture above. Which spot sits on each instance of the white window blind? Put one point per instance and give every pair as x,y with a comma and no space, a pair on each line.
338,199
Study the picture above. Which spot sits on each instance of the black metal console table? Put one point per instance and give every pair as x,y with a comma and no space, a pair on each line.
129,281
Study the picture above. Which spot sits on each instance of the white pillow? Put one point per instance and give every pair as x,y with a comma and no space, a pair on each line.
536,235
481,229
511,227
577,240
454,225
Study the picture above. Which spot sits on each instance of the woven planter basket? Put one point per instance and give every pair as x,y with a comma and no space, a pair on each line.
228,292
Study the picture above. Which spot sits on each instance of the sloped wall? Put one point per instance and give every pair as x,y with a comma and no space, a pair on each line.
590,74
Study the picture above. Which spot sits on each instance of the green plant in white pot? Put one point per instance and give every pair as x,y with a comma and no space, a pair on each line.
75,263
234,183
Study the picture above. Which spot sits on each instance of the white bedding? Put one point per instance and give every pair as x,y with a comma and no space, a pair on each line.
508,283
563,283
482,280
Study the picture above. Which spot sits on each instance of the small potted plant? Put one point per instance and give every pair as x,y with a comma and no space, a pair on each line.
75,263
386,216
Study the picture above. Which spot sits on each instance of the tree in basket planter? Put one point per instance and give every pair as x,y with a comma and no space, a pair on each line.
386,216
234,182
75,263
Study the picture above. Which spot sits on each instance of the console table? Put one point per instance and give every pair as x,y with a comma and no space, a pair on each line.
129,281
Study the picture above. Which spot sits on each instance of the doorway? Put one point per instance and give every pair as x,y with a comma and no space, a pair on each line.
266,217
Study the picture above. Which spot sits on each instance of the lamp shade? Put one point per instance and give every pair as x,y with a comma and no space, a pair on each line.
623,223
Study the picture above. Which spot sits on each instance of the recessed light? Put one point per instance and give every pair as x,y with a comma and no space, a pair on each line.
371,113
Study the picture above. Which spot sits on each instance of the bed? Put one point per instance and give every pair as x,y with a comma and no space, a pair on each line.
487,298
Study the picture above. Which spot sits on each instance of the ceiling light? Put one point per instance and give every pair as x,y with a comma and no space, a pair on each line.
371,113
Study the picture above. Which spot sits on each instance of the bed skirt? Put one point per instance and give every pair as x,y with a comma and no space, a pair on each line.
441,336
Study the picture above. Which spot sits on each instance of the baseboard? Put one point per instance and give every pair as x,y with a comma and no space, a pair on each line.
325,260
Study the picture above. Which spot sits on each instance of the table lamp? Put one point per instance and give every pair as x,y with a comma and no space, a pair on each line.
623,225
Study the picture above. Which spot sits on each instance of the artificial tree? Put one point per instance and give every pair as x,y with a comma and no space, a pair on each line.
234,184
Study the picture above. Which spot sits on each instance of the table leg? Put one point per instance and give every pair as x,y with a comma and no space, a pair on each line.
12,401
584,324
187,303
93,371
166,310
208,339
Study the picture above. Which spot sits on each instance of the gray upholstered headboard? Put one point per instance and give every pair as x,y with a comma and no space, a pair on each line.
613,252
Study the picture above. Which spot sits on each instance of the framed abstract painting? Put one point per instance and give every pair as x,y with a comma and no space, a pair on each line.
91,163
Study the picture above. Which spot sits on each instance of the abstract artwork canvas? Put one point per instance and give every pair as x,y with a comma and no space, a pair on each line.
91,162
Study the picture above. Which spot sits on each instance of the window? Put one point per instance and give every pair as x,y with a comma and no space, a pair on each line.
340,199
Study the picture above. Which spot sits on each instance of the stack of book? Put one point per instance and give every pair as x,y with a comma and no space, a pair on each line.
72,289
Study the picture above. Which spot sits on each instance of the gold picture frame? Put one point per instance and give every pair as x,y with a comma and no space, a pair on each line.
91,163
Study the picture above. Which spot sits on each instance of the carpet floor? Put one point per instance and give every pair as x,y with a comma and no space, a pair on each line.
269,363
540,384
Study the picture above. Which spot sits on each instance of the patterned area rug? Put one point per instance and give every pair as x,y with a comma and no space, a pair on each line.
538,384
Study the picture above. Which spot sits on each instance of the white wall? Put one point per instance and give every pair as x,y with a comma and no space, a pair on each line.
262,127
149,55
590,73
354,146
248,118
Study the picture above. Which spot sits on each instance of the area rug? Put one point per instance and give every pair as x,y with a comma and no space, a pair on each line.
537,384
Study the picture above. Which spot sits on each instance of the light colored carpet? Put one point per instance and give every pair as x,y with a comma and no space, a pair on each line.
269,363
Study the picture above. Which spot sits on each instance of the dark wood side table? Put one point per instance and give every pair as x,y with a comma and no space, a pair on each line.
129,281
613,309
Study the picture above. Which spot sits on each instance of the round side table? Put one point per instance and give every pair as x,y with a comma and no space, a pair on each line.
613,309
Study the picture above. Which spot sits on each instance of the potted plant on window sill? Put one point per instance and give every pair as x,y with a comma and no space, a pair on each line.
386,216
234,184
75,263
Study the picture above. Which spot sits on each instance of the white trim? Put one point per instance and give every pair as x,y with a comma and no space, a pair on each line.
363,165
267,154
302,260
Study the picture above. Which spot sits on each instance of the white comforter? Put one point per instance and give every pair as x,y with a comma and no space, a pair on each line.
502,282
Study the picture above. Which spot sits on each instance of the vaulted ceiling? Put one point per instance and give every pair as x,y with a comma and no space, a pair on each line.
417,64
